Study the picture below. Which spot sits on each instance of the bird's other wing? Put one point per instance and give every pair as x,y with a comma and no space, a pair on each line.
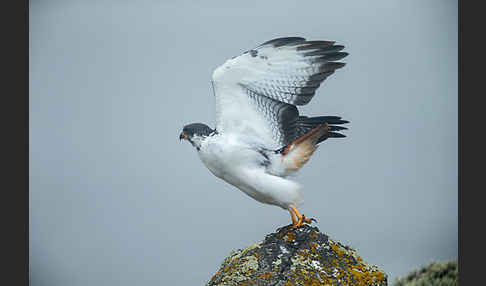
257,92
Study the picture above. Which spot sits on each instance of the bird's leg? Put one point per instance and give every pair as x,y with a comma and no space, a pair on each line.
301,219
292,225
292,215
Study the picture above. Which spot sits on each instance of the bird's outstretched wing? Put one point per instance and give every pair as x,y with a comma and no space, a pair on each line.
257,92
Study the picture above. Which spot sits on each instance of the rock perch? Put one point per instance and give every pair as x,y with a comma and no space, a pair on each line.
289,257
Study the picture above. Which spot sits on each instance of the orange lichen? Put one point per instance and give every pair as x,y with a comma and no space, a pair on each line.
248,282
313,246
290,237
264,276
313,234
214,275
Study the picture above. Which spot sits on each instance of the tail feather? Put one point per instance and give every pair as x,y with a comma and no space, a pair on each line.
337,128
311,132
297,153
322,119
305,124
335,135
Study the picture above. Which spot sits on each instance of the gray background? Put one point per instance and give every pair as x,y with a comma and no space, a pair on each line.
116,199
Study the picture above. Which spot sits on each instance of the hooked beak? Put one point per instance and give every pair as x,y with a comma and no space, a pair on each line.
182,136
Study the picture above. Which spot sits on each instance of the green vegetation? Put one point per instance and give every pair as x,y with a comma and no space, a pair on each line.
434,274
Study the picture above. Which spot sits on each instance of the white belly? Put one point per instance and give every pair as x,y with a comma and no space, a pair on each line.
238,164
225,156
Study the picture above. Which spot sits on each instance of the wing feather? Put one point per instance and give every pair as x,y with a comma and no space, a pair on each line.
257,92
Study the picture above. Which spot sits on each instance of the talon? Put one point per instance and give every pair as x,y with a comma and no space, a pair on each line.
297,224
308,220
297,219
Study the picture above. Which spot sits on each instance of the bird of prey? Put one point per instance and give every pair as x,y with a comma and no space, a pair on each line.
260,139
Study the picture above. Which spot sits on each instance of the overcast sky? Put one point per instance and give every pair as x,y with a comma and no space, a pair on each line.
116,199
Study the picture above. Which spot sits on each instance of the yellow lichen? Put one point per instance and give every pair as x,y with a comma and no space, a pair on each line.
308,268
338,249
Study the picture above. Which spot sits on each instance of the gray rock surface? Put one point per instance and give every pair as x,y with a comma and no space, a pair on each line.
304,256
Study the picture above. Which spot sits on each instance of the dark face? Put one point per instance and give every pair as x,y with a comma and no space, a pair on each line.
195,129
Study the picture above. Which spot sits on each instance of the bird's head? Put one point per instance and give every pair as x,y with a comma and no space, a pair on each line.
195,133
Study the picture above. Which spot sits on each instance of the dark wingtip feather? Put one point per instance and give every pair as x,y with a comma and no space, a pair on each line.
278,42
325,51
331,57
310,45
319,77
333,65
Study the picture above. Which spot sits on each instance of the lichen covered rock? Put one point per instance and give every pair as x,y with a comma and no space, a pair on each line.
303,256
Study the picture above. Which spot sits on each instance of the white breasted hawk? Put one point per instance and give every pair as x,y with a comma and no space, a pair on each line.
260,138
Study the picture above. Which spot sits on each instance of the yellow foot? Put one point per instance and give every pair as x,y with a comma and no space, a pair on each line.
308,220
301,222
301,219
